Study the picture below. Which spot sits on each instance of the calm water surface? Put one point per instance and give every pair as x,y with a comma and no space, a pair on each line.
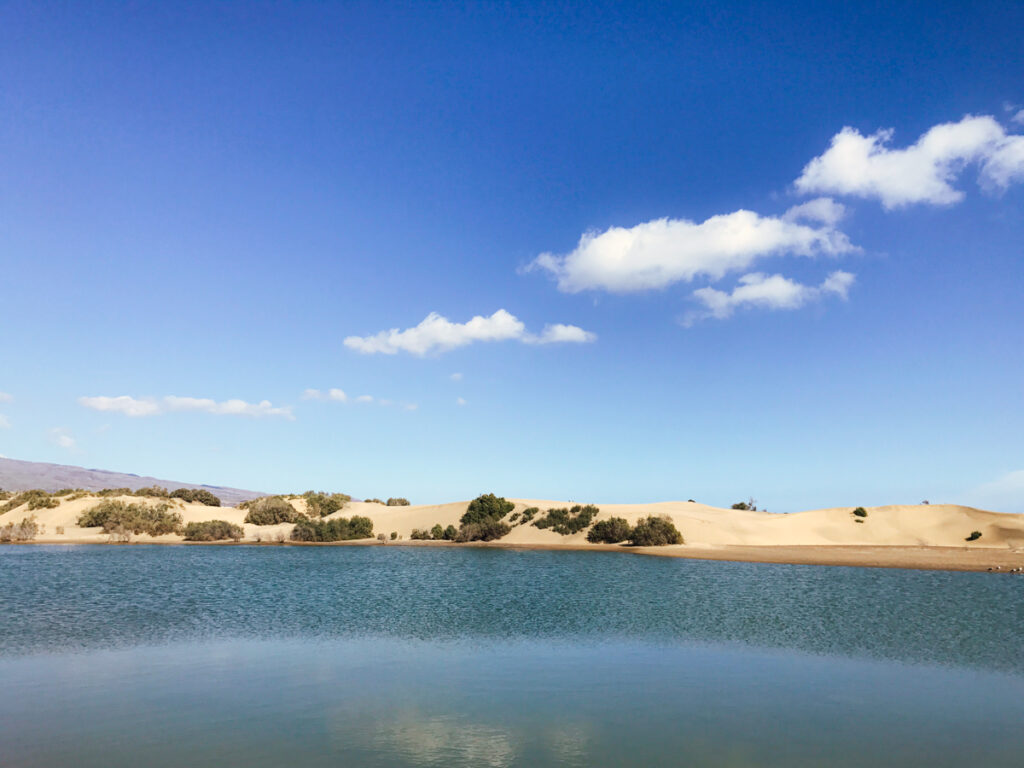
392,656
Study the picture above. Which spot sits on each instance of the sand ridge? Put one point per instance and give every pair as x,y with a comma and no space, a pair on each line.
888,535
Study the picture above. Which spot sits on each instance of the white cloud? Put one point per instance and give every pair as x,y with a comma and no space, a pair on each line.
437,334
5,398
4,423
460,401
364,399
456,377
1004,494
334,395
658,253
151,406
63,438
864,166
1018,118
767,292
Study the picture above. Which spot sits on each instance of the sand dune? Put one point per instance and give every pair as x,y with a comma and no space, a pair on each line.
708,531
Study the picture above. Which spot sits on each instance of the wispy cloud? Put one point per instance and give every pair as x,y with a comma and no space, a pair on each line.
456,377
4,423
436,334
1004,494
659,253
5,398
460,401
767,292
924,172
63,438
152,406
333,395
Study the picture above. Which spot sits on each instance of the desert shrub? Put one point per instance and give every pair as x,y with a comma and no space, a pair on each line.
488,530
372,501
271,510
114,515
451,533
382,537
59,530
35,499
513,518
568,521
394,535
5,495
338,529
486,507
196,495
653,531
154,491
322,504
860,512
26,530
419,534
975,535
398,502
437,532
529,513
65,491
113,492
610,531
213,530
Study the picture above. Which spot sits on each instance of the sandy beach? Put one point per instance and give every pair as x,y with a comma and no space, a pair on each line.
927,536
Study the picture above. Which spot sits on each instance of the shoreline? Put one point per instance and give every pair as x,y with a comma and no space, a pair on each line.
842,555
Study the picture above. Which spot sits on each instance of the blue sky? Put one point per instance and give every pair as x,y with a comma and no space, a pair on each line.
714,250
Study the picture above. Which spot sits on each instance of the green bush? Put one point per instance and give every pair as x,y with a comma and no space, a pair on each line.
372,501
975,535
419,534
488,530
394,535
451,533
115,516
213,530
338,529
321,504
741,505
528,514
113,492
271,510
568,521
860,512
437,532
26,530
486,507
35,499
154,491
197,496
398,502
610,531
653,531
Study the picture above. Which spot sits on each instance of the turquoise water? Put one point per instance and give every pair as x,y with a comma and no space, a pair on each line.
391,656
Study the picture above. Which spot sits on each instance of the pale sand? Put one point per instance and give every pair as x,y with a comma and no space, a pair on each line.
908,536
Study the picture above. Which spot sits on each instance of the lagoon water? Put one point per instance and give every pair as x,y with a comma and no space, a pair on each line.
401,656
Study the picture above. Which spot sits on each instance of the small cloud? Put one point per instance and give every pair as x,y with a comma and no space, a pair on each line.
924,172
768,292
333,395
151,406
436,334
63,438
456,377
5,398
460,401
1018,118
4,423
410,406
364,399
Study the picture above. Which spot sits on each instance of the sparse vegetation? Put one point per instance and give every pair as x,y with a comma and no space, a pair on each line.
528,514
115,516
975,535
338,529
860,512
568,521
398,502
372,501
213,530
610,531
394,535
197,496
750,504
654,531
35,499
486,507
271,510
26,530
153,491
321,504
419,534
488,530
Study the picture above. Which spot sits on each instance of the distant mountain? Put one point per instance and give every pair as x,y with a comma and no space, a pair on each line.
23,475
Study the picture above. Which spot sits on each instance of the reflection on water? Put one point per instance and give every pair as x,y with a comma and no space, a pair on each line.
410,657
